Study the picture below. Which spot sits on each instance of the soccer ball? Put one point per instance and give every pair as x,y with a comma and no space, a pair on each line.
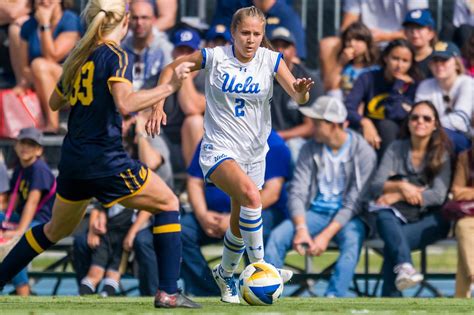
260,284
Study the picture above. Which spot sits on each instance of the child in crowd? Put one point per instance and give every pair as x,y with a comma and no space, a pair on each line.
357,55
31,194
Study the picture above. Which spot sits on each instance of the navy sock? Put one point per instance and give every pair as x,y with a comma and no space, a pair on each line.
167,242
31,244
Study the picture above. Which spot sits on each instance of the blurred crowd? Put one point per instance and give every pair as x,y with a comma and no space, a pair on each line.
378,151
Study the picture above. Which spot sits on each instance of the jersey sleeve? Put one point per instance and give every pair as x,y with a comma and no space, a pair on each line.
207,58
275,58
120,66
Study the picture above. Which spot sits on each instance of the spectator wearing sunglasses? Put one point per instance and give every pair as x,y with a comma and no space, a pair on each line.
451,92
409,188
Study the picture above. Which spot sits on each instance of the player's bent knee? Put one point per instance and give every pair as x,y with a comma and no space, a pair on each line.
251,196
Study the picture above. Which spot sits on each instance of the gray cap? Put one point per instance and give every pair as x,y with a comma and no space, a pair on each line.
31,133
282,33
328,108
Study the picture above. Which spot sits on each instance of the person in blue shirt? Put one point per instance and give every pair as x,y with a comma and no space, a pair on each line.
31,194
47,38
96,84
211,213
386,94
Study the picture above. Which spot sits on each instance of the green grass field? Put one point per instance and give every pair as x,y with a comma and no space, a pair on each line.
99,306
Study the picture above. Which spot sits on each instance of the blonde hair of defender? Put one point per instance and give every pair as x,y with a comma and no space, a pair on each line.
252,11
101,17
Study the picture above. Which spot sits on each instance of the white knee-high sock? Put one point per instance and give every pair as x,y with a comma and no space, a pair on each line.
233,249
251,228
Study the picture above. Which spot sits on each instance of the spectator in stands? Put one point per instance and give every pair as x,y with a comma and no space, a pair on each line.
419,28
154,153
467,53
409,187
32,189
324,195
383,18
357,55
386,95
184,128
451,92
13,16
4,184
149,47
463,190
106,244
166,11
211,214
47,38
287,120
218,35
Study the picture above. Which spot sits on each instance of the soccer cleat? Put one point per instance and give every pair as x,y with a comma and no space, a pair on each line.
285,274
229,293
178,299
407,276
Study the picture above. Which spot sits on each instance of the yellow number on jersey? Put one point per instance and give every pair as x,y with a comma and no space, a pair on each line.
83,85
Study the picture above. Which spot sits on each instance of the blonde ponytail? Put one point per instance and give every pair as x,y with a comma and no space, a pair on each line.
101,16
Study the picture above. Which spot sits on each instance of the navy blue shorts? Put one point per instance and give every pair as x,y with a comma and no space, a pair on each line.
107,190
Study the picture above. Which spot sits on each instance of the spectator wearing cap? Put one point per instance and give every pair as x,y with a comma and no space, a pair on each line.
32,189
149,47
419,28
451,92
325,195
185,108
218,35
287,120
47,38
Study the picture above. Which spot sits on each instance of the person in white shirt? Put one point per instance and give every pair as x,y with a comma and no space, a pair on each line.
451,92
237,122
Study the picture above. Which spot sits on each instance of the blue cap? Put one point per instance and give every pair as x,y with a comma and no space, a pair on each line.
31,133
420,17
218,30
445,50
186,37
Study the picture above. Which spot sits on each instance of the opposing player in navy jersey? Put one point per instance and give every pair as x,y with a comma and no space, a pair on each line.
97,85
237,122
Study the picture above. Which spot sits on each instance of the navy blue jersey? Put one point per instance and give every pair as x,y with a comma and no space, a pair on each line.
93,146
37,176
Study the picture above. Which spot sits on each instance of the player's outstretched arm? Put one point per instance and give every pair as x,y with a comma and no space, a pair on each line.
158,115
298,89
128,101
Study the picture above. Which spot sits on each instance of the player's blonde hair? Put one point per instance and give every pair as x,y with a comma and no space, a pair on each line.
101,17
252,11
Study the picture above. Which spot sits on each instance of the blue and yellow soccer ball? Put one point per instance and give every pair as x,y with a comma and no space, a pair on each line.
260,284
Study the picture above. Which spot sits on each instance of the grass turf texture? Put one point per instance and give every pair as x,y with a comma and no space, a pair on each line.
98,306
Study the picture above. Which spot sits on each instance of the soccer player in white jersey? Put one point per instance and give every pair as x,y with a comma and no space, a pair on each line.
237,122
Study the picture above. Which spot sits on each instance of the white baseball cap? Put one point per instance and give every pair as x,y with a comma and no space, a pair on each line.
328,108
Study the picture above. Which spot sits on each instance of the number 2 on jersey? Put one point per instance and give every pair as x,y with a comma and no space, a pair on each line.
83,85
239,107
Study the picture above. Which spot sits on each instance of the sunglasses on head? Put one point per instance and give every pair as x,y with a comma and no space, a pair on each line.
425,118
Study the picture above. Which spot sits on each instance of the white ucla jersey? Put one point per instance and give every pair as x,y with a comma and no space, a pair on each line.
237,117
